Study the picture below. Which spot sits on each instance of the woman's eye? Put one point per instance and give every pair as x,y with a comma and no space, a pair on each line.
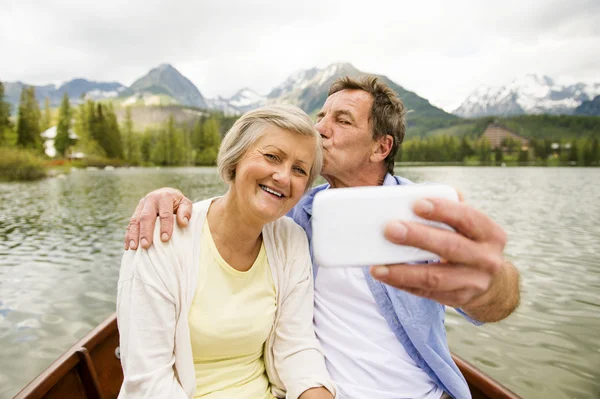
271,157
300,171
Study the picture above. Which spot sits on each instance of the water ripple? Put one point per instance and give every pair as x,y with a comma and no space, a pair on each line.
61,244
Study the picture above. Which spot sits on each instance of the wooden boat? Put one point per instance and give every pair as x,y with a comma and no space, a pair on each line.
91,370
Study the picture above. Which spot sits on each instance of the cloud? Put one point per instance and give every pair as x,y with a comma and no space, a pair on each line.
441,50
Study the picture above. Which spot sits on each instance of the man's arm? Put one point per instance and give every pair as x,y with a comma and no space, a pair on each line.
163,202
316,393
474,275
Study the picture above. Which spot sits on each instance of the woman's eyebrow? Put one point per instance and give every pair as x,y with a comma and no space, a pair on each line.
284,153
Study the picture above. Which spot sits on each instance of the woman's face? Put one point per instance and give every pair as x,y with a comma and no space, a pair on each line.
272,175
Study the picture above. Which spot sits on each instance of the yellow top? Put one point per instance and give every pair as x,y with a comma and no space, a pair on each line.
230,319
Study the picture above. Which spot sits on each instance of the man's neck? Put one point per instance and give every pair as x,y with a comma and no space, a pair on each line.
362,178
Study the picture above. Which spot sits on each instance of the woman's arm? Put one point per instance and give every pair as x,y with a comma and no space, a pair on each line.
146,315
297,354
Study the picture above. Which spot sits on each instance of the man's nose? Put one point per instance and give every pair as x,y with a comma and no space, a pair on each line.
323,127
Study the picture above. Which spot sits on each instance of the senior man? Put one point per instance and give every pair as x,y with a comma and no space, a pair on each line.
382,328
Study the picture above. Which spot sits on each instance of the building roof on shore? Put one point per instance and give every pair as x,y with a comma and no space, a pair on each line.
495,133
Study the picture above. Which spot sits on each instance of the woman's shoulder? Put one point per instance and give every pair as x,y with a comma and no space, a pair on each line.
286,228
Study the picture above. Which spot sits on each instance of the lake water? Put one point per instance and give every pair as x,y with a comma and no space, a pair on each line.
61,243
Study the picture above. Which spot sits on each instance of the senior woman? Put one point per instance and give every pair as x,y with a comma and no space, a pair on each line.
224,309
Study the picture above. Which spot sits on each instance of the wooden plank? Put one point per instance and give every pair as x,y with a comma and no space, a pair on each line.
88,375
94,356
482,385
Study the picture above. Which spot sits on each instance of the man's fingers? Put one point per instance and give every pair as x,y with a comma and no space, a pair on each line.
449,245
165,212
147,223
456,299
433,277
133,228
453,285
464,218
184,212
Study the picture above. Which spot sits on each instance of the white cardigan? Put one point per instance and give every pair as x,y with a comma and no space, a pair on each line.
156,288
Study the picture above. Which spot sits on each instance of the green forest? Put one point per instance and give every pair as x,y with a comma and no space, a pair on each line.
91,128
90,134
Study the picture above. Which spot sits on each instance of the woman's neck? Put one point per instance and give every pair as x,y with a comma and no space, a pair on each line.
237,235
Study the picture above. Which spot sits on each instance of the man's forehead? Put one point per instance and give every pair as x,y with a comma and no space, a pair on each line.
348,99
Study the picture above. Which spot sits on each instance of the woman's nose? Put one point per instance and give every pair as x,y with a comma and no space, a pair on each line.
282,175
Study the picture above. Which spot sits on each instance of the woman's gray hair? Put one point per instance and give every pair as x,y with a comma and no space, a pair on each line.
249,128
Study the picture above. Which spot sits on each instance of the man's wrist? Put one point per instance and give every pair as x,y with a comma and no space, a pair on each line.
500,300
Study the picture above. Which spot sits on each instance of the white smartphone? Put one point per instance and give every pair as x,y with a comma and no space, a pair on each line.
348,224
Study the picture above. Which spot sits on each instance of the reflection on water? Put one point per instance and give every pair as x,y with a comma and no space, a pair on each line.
61,243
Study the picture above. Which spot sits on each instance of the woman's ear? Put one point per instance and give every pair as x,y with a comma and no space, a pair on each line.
381,148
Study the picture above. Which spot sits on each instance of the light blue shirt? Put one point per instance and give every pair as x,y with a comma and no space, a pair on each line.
417,322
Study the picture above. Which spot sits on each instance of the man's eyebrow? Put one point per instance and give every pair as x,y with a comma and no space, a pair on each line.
345,112
320,114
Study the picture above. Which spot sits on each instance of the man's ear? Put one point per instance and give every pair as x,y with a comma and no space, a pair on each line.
381,148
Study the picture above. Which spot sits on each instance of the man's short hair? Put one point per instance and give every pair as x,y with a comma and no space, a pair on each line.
249,128
387,113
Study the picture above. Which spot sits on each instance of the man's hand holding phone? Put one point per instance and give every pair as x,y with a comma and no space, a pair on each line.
472,273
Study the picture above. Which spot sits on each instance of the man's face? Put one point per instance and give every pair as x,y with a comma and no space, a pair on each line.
347,139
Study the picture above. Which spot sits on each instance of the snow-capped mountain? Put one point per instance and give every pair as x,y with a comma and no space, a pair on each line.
166,86
308,88
531,94
75,89
242,101
305,88
590,108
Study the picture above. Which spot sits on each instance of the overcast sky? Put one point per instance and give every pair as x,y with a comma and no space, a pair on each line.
440,49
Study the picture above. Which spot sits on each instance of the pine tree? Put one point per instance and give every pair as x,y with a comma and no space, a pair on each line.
466,150
62,140
114,147
523,155
159,150
47,116
170,141
499,157
210,142
484,151
574,152
28,121
5,124
594,157
97,126
131,142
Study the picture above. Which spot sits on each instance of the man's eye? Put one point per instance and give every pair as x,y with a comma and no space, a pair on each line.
344,122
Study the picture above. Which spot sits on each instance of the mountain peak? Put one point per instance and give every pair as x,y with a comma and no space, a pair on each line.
165,66
529,94
165,80
341,66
